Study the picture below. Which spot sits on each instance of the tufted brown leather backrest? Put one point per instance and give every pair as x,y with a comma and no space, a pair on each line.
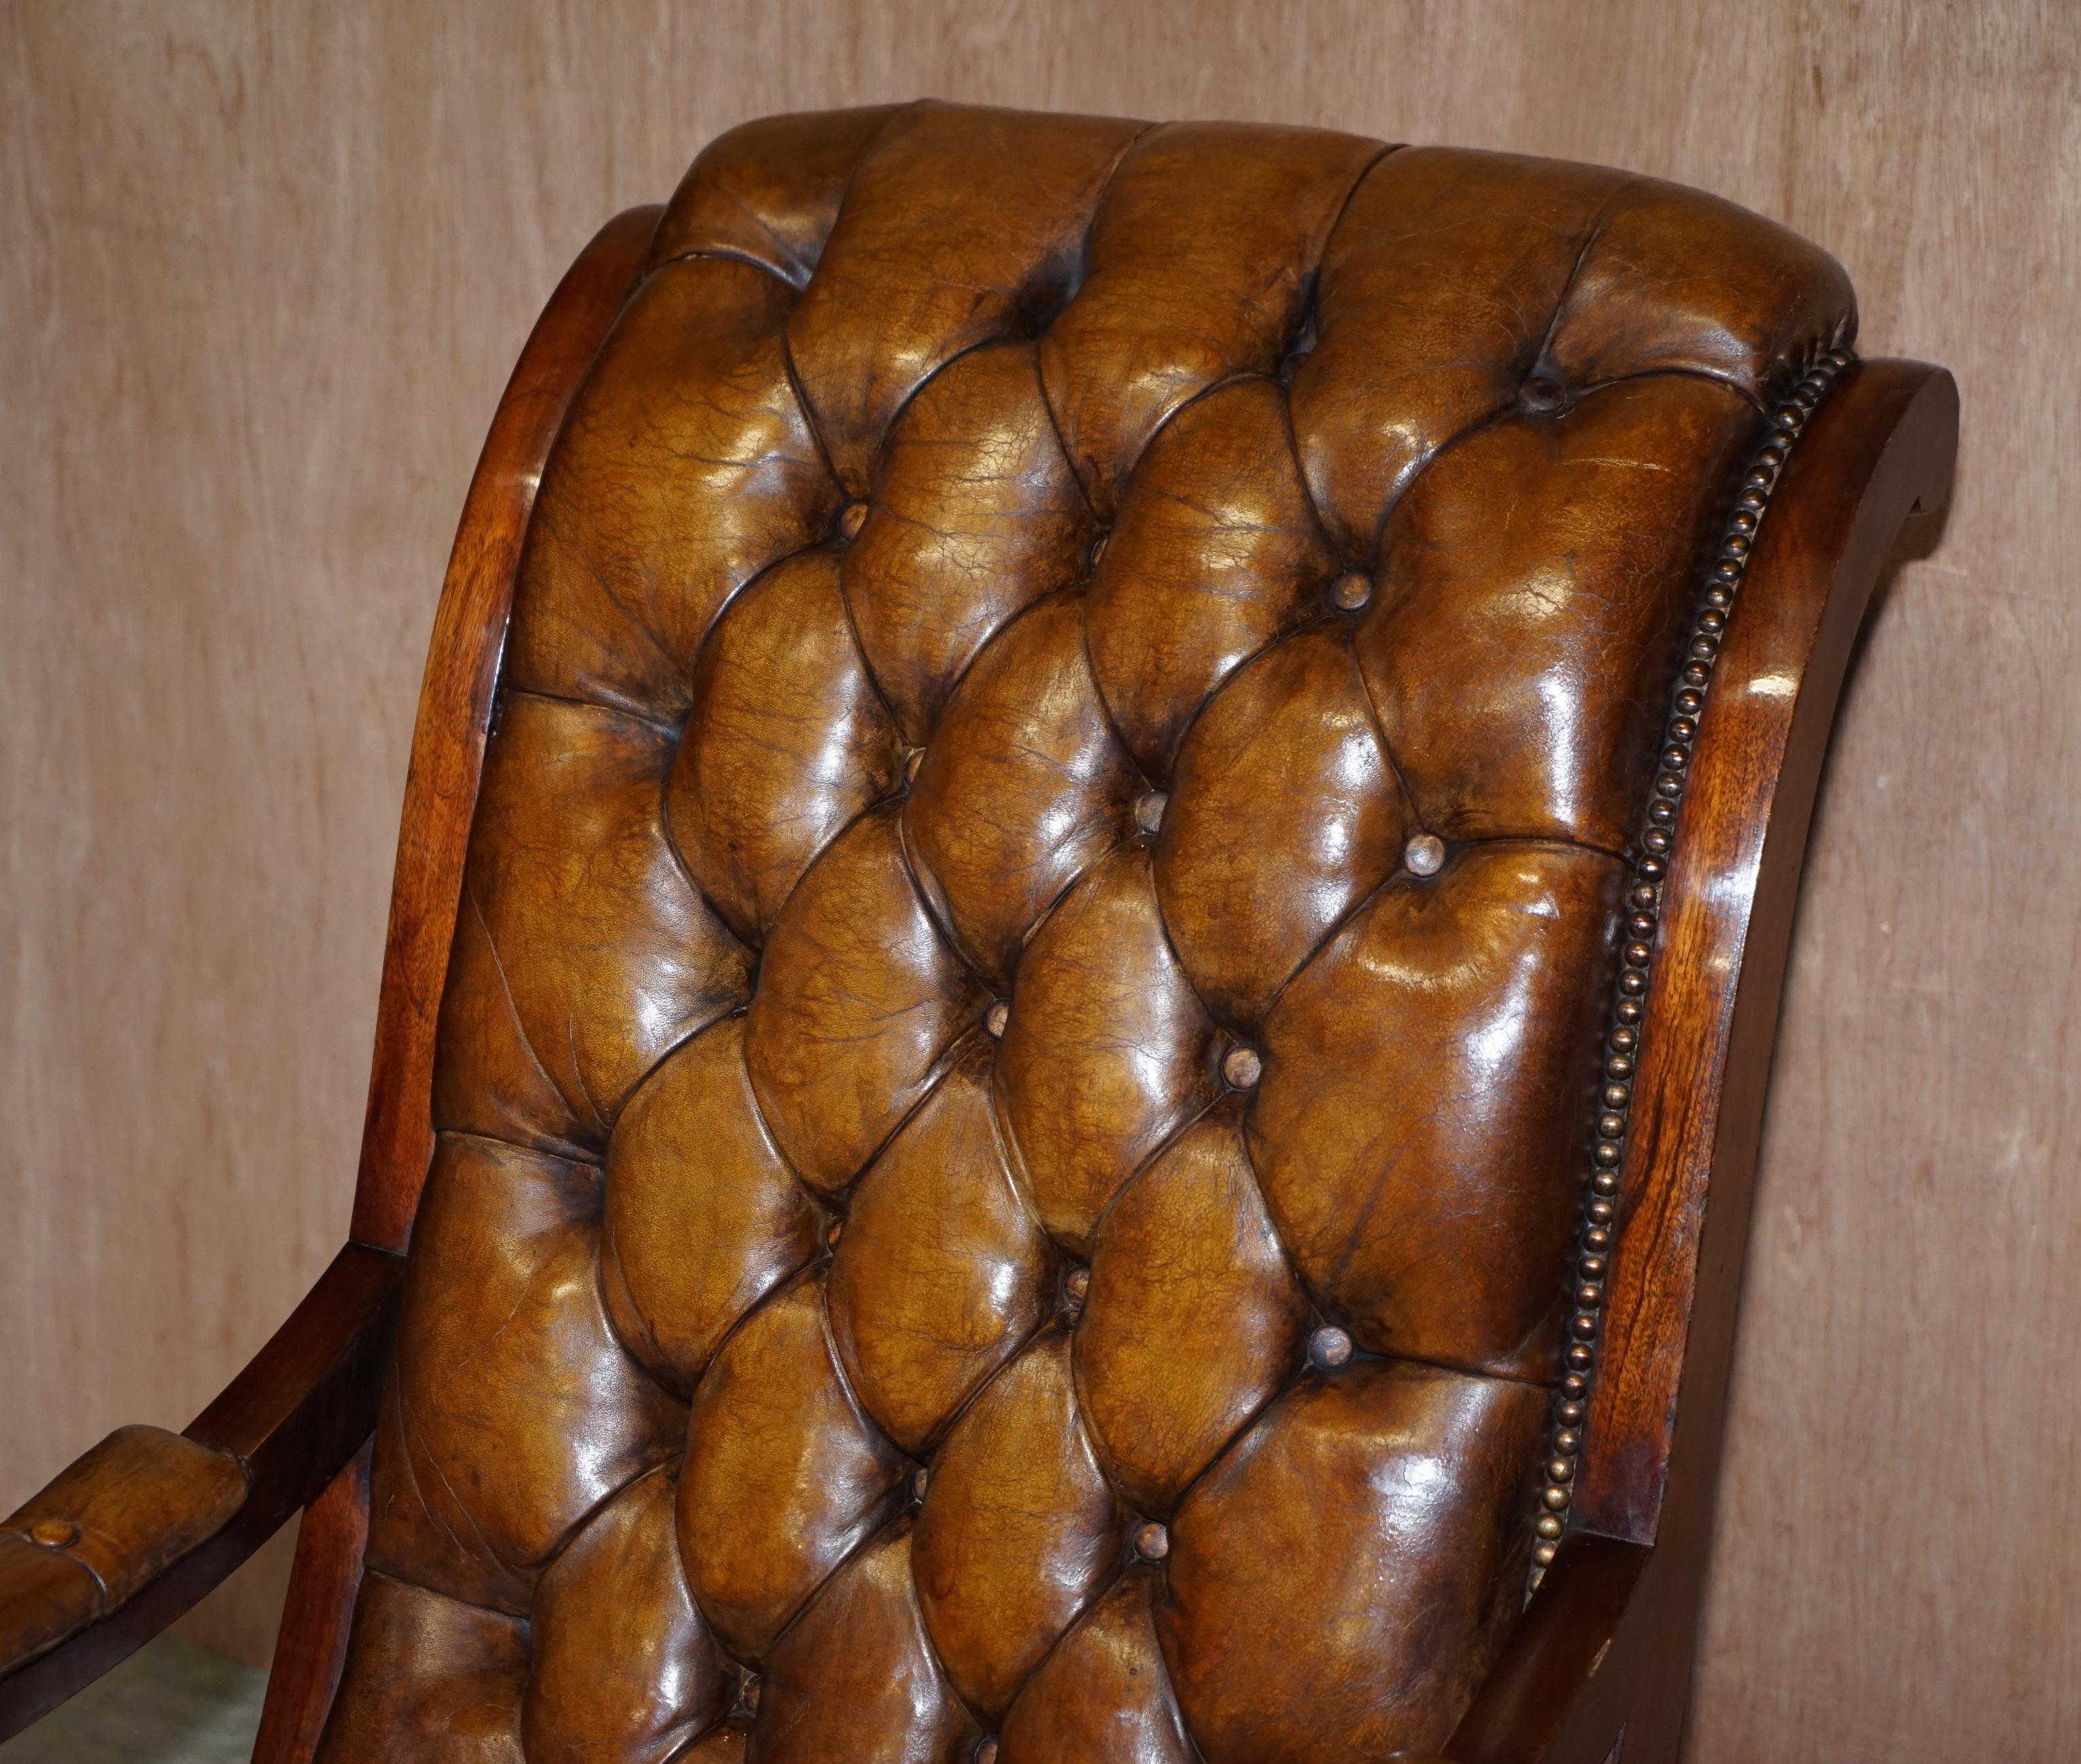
1022,1046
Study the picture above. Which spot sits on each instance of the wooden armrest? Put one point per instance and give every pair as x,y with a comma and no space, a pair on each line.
113,1521
137,1531
1558,1694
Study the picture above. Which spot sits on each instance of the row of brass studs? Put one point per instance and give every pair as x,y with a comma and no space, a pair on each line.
1650,866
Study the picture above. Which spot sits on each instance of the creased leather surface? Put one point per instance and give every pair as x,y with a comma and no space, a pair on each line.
941,1013
104,1529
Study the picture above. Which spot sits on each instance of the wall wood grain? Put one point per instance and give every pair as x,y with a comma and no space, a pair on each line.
266,265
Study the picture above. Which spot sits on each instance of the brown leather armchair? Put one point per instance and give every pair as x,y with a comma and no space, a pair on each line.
1086,905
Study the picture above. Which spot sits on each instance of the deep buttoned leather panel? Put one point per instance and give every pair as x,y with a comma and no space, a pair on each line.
1077,696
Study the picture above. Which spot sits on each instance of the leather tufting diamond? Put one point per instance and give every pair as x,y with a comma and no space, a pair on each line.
1216,552
622,1663
1471,253
1107,1051
1023,787
1194,1320
1249,888
1362,1510
1018,1529
582,953
961,228
784,1476
685,466
427,1674
941,1274
855,1678
1202,257
474,1493
860,998
976,515
768,190
1104,1693
1565,620
1419,1127
787,743
704,1216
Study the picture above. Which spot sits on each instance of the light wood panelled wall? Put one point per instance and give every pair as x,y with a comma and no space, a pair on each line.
266,266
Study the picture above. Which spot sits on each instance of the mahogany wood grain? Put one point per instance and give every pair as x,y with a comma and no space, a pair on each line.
1880,453
1881,446
1559,1693
455,714
311,1648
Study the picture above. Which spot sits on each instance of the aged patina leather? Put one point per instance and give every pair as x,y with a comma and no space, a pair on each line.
957,1000
102,1530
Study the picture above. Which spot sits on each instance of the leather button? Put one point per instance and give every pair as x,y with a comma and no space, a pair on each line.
1077,1288
1329,1347
1152,1542
852,517
1424,854
911,761
54,1533
749,1694
1242,1068
986,1751
1350,591
919,1484
995,1019
1148,810
1542,394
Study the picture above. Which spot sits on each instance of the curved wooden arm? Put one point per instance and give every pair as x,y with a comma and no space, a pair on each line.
1606,1646
124,1540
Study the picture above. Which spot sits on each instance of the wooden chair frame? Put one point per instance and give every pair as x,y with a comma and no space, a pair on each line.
1602,1656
